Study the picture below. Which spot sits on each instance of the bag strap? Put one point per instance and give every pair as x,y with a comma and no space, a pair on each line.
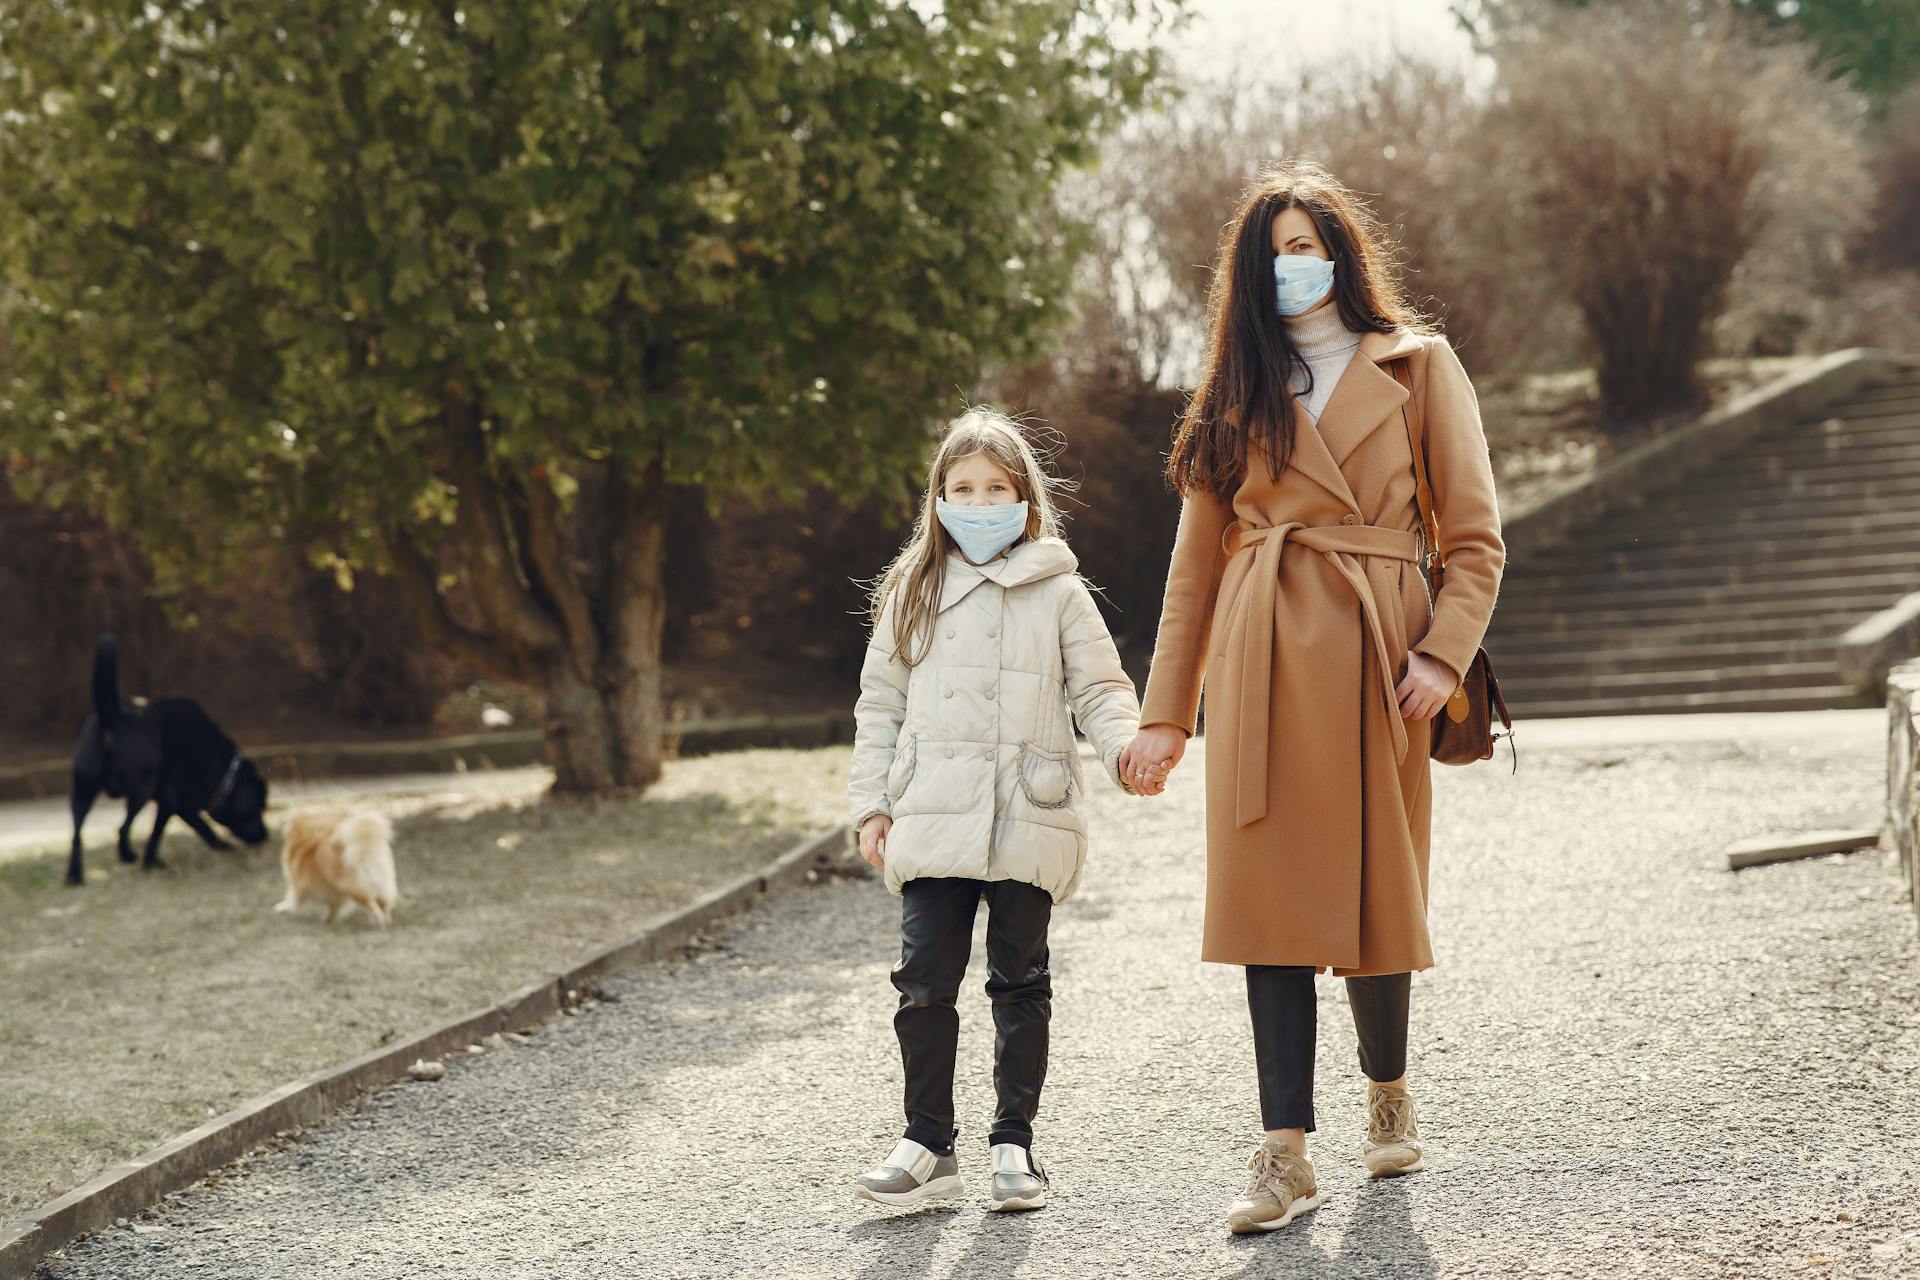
1422,490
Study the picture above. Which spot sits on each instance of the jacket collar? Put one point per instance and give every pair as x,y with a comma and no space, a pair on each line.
1366,396
1027,561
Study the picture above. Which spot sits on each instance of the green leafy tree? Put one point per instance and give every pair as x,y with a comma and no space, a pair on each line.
1873,44
454,291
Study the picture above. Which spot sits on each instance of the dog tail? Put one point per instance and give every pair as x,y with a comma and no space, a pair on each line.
106,681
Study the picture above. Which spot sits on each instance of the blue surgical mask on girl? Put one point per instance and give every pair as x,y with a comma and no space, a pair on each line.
1302,281
982,532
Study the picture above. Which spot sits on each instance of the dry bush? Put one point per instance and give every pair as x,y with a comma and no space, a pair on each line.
1894,238
1397,130
1664,164
1883,302
1165,190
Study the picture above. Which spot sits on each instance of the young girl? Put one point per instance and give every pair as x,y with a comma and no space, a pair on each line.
966,784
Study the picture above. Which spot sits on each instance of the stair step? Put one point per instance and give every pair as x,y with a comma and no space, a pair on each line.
1631,568
1548,661
1895,400
1574,622
1643,572
1671,550
1889,387
1682,680
1876,429
1683,563
1504,639
1873,410
1807,698
1756,513
1640,525
1825,461
1883,587
1864,485
1833,433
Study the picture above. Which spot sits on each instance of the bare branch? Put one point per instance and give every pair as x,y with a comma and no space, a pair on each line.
417,578
546,551
486,548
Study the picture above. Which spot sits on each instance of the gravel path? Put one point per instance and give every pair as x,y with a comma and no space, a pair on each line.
1629,1062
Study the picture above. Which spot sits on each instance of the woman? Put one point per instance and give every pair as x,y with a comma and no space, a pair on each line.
1295,590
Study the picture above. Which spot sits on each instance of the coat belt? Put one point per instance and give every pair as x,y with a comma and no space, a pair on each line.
1250,630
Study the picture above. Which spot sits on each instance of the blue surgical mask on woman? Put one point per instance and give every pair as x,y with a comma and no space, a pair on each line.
1302,281
982,532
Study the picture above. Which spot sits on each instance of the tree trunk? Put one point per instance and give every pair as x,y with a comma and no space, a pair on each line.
576,611
579,731
605,734
637,612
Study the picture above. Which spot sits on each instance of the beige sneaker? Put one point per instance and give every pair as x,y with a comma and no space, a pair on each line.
1282,1188
1393,1140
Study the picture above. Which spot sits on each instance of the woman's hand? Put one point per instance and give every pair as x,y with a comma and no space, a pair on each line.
1151,756
872,832
1428,684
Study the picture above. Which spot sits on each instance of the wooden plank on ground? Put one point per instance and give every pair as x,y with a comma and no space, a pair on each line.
1761,850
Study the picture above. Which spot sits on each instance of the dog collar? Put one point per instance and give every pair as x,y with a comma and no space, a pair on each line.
226,781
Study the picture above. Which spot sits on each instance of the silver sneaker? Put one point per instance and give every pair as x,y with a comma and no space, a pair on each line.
1018,1183
1393,1139
910,1175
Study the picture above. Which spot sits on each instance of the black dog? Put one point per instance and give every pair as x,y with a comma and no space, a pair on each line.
167,751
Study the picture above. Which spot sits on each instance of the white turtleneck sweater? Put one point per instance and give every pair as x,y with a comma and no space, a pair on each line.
1326,344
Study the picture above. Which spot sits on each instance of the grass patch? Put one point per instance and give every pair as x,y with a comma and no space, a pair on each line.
137,1007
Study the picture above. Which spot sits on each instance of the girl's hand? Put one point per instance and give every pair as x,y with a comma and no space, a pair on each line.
1428,684
872,832
1149,759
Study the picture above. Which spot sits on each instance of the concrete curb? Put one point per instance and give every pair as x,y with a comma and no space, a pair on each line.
127,1189
1763,850
1670,457
294,761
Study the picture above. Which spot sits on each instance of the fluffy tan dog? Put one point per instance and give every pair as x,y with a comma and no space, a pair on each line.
342,861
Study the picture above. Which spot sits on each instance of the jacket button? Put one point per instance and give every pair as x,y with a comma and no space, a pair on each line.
991,633
949,633
989,695
947,694
987,752
1348,518
949,753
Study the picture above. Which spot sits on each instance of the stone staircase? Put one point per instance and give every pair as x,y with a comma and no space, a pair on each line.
1729,590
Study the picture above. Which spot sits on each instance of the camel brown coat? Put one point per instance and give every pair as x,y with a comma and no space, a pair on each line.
1296,606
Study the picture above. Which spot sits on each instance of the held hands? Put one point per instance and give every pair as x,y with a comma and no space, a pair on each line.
872,832
1149,759
1428,684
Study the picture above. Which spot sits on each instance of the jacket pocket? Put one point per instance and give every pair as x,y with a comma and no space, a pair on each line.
906,755
1046,777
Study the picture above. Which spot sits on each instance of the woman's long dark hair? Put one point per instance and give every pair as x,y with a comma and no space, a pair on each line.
1251,357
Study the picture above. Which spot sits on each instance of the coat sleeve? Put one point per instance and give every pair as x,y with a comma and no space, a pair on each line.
877,717
1098,687
1461,474
1186,613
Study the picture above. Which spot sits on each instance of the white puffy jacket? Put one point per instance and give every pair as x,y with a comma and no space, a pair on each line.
970,751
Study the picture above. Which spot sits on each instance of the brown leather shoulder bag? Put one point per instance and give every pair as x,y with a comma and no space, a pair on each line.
1463,730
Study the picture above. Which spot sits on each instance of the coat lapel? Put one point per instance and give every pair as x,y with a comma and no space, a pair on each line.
1365,397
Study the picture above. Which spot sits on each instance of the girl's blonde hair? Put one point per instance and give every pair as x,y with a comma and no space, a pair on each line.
914,578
